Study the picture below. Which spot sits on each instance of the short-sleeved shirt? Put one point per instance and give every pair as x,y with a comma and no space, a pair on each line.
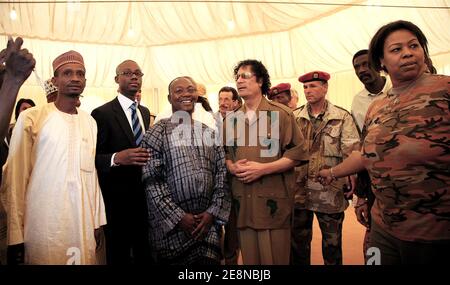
407,153
267,202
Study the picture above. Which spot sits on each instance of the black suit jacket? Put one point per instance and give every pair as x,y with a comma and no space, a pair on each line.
121,186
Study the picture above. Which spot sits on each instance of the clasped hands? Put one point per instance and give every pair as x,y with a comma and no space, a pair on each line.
196,226
247,171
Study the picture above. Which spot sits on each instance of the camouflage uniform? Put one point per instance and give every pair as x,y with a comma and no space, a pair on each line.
331,137
266,204
407,153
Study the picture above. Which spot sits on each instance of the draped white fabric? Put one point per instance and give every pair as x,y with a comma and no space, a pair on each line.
196,39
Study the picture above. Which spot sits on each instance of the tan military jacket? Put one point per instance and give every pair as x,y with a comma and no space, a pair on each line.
336,137
268,202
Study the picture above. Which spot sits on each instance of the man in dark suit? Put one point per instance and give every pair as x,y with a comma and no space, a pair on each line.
119,160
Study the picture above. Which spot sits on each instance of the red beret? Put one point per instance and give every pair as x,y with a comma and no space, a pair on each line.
282,87
314,76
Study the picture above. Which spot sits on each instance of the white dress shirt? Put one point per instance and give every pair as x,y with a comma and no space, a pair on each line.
126,103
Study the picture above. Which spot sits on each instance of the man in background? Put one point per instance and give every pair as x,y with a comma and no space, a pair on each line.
228,100
375,86
281,94
50,90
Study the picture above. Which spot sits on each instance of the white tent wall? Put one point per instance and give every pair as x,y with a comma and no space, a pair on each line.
174,39
327,44
101,62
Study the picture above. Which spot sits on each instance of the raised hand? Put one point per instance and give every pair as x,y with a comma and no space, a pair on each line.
19,62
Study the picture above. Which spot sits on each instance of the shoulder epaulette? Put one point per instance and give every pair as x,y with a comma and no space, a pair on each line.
342,109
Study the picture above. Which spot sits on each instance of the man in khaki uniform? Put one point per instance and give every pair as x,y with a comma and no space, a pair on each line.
263,144
331,135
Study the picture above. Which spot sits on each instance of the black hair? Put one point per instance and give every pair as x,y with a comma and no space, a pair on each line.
376,46
260,72
187,77
19,103
430,65
359,53
230,89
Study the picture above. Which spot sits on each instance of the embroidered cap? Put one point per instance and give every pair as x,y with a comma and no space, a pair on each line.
49,87
67,57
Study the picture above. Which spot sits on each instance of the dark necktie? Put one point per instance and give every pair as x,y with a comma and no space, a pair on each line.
137,130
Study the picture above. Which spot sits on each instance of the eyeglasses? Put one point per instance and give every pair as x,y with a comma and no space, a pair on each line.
131,73
181,91
244,75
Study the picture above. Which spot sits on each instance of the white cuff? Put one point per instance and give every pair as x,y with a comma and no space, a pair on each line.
112,160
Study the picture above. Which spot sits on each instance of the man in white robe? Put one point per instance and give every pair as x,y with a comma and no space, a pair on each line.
53,199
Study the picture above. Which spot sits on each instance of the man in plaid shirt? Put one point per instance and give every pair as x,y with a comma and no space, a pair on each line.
185,180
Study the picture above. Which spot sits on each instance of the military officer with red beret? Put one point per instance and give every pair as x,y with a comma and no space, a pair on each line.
331,136
281,93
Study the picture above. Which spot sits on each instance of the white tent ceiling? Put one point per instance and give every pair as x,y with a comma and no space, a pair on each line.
205,39
159,23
